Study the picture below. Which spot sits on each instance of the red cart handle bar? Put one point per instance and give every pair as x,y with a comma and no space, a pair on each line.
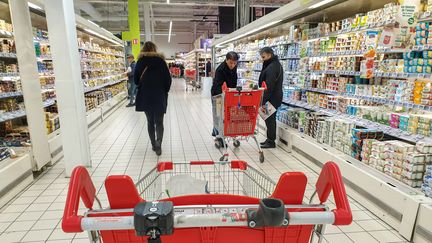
330,179
204,220
226,89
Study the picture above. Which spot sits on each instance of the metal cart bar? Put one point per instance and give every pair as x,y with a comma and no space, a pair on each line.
204,220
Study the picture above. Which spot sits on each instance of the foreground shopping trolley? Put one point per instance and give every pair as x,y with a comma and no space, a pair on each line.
239,204
235,114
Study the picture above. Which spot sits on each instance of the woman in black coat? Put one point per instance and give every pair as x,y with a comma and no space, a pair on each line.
153,79
272,74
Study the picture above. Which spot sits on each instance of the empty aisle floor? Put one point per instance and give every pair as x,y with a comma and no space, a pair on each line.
121,145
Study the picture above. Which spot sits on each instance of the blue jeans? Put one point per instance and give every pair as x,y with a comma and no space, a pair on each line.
132,91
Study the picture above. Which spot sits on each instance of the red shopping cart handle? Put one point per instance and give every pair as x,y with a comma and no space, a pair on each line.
80,186
329,180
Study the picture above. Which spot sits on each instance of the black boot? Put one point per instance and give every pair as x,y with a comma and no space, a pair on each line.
264,142
269,144
158,148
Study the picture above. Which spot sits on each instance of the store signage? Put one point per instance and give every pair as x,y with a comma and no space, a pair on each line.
135,41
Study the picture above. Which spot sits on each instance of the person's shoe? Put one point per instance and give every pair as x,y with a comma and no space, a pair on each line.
264,142
268,144
129,105
158,151
153,148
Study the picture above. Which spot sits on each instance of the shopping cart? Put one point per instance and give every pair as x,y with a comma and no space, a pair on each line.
235,113
229,211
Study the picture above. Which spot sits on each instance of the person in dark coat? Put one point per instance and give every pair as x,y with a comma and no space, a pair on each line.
132,88
208,68
226,72
153,79
272,74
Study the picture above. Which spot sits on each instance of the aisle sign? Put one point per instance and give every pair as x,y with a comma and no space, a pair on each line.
135,41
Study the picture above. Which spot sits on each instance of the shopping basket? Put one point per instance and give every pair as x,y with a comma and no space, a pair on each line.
231,210
235,114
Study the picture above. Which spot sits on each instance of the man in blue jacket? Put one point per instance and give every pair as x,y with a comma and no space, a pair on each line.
132,88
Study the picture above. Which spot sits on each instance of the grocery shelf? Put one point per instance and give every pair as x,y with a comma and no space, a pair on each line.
100,69
397,133
7,116
4,33
8,55
49,102
44,58
8,76
290,57
90,89
101,77
370,98
338,53
335,72
391,200
10,95
101,52
370,26
100,60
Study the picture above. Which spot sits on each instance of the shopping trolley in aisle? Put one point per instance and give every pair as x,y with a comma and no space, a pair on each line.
235,114
238,204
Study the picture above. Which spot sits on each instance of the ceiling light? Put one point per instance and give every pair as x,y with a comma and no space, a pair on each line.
321,3
34,6
169,32
168,1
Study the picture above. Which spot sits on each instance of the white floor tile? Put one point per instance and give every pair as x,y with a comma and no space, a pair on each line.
11,237
37,235
20,226
361,237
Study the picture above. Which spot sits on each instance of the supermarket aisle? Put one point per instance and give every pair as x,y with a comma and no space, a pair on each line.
121,145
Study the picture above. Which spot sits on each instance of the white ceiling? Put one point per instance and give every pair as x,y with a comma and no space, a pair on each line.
112,14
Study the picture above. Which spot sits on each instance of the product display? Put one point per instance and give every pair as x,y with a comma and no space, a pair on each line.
362,82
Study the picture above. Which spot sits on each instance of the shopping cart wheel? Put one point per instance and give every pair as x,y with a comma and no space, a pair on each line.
223,158
217,145
261,157
236,143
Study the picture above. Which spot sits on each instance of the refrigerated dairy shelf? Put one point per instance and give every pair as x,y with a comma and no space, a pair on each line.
370,98
397,133
369,26
8,55
90,89
10,95
101,52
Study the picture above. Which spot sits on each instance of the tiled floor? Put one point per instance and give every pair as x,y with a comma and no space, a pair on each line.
121,146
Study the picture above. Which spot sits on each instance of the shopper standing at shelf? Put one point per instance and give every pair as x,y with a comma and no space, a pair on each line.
153,79
272,75
208,68
226,72
132,88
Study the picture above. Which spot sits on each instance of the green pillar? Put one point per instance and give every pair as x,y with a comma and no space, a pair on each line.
133,35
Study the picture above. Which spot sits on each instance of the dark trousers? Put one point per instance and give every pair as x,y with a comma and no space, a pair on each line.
155,128
271,127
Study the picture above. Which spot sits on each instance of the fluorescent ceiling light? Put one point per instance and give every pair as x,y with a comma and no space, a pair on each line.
34,6
169,32
168,1
321,3
101,36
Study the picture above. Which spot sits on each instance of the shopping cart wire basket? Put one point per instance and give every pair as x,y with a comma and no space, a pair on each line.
235,114
242,205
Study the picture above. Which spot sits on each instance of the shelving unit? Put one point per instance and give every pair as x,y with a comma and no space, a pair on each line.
104,82
327,66
195,64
